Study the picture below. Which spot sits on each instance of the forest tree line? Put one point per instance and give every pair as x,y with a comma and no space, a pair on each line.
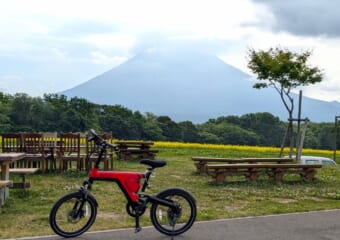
52,112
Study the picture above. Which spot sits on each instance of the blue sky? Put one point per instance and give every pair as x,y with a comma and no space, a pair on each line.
50,46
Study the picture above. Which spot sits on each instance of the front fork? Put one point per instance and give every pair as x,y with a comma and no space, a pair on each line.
84,189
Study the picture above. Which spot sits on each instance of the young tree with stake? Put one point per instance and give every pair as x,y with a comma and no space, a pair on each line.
284,71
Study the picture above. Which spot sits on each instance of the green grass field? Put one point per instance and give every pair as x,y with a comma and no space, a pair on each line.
28,215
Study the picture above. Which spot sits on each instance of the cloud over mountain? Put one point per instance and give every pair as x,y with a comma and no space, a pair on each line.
188,84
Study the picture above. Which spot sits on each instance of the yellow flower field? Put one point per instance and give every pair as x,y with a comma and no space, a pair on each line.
235,147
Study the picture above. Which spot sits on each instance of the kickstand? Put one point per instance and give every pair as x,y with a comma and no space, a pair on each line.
137,227
172,236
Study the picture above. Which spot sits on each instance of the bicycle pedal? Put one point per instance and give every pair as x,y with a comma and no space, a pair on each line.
138,229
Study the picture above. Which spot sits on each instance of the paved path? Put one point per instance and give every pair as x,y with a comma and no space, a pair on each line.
323,225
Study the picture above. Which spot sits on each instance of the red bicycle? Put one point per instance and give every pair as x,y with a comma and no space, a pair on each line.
173,210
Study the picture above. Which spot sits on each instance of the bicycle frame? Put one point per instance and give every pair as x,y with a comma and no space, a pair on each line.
129,183
172,211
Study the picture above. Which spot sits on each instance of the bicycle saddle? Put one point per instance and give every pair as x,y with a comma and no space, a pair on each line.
153,163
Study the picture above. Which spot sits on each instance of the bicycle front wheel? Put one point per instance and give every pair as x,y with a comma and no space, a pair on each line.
72,215
176,221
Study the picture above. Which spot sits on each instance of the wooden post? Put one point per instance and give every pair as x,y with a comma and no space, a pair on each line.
298,134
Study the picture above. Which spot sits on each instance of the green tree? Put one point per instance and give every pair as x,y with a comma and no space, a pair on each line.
84,113
189,132
227,133
231,134
20,112
283,70
5,107
116,119
266,126
36,114
171,130
208,137
325,135
151,131
56,108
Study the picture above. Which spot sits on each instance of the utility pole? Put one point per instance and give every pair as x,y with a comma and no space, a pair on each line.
335,135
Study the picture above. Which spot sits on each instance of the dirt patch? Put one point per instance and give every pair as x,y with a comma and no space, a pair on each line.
285,200
110,215
316,199
233,207
175,176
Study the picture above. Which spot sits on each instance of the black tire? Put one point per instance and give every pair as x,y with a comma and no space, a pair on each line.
62,219
165,220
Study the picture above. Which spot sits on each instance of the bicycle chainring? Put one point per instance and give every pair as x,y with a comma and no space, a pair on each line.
132,210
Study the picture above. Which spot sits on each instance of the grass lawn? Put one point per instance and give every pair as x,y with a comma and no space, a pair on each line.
28,215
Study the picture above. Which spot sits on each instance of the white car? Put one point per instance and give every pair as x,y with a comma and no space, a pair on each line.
316,160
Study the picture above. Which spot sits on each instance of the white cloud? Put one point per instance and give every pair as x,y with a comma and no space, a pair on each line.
326,56
110,41
101,58
11,83
59,53
206,18
40,33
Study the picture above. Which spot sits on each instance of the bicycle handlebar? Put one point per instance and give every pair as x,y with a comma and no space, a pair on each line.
93,136
111,145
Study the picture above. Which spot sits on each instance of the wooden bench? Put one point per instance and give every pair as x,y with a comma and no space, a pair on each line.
5,183
127,154
201,162
23,172
251,172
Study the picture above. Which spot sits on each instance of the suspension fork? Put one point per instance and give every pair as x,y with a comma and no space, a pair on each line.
87,184
77,209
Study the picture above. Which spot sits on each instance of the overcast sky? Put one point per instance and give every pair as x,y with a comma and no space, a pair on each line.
50,46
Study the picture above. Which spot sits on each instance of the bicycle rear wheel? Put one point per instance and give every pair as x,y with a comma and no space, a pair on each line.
72,215
174,222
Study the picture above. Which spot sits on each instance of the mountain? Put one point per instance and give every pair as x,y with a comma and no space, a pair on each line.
190,85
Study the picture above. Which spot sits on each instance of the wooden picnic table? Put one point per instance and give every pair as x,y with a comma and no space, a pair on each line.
126,149
5,160
201,162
